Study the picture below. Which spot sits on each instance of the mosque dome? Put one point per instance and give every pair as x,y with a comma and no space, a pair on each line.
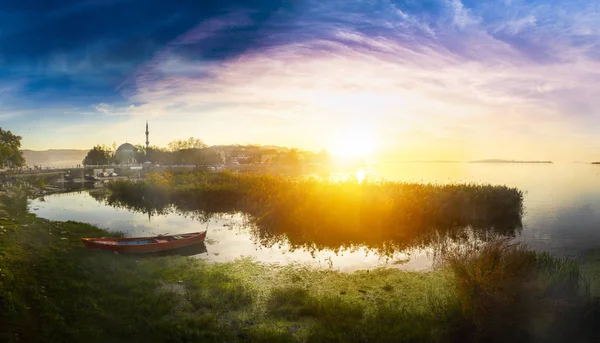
125,153
126,147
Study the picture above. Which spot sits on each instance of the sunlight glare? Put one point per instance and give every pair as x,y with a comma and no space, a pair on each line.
353,142
361,175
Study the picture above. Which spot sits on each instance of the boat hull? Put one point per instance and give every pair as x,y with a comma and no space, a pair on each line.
141,245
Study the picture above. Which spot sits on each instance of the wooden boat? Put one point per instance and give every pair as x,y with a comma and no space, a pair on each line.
144,244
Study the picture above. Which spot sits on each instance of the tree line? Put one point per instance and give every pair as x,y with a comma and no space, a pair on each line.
194,151
189,151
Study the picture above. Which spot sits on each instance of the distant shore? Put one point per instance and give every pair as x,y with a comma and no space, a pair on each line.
511,161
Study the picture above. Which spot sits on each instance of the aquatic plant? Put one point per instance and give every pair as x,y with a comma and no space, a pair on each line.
508,292
312,213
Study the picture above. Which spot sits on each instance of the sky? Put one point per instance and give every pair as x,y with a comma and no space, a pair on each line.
433,79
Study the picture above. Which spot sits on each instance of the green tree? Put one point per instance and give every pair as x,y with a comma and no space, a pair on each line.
160,155
10,153
190,143
140,153
98,155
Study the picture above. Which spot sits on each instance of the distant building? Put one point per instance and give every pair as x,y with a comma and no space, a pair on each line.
126,154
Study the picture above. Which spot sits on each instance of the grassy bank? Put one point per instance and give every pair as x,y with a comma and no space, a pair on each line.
52,289
321,214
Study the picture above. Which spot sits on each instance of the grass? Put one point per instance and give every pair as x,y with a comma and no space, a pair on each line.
510,293
316,214
54,290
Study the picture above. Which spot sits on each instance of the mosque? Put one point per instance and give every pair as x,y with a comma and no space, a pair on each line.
126,153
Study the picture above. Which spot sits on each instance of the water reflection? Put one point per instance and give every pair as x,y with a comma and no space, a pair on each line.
561,216
234,235
384,240
190,250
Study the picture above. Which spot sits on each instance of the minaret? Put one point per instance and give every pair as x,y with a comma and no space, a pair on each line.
147,136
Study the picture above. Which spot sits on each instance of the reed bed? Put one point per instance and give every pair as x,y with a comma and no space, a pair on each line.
314,213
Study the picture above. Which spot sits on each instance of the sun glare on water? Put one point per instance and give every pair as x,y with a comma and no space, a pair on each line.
352,143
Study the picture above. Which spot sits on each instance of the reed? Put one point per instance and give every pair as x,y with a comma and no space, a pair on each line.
508,292
314,213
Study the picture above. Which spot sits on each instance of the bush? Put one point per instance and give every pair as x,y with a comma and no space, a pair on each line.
510,293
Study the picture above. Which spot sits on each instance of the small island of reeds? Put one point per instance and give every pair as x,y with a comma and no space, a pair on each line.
315,213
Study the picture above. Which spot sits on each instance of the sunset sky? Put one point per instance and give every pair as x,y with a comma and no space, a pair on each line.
440,79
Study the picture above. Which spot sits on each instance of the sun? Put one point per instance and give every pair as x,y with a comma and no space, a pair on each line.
354,142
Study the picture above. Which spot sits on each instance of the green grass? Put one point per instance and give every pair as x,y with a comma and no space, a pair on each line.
316,214
54,290
510,293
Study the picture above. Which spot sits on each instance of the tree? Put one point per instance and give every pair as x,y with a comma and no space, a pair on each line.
99,155
159,155
10,153
190,143
140,153
292,157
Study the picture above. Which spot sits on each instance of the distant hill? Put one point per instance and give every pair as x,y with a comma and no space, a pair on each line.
508,161
54,157
595,162
422,161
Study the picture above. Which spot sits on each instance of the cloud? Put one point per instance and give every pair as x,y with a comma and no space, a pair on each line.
384,75
474,77
110,110
516,26
461,16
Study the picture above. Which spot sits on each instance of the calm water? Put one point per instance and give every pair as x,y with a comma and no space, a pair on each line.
562,215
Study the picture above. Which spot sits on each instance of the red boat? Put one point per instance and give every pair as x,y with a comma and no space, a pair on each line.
145,244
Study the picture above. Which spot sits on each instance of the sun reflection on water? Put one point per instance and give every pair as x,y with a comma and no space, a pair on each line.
361,175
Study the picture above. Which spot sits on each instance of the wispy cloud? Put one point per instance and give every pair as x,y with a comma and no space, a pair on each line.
516,26
474,77
110,110
379,71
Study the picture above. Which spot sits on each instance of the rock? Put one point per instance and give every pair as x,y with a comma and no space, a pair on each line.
64,239
180,281
63,232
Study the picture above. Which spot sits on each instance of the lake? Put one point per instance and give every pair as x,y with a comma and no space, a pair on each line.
562,215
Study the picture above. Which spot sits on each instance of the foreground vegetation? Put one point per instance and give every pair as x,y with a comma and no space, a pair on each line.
52,289
312,213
